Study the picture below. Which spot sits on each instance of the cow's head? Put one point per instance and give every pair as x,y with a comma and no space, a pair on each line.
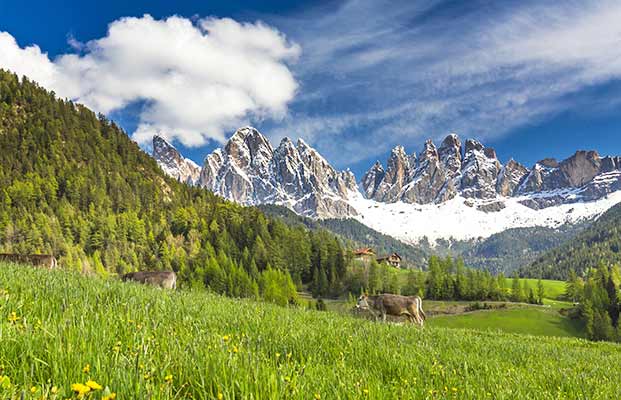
363,302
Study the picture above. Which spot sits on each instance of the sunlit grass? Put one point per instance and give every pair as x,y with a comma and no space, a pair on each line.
140,342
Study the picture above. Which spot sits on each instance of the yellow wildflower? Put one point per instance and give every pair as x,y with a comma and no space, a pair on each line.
226,338
365,391
220,397
5,382
277,355
80,389
54,390
33,390
86,369
111,396
13,318
168,378
94,385
317,396
235,350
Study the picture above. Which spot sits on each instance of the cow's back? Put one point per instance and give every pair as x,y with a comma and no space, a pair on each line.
163,279
44,260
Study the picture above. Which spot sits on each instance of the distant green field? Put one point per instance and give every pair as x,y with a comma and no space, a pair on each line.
553,289
526,321
59,328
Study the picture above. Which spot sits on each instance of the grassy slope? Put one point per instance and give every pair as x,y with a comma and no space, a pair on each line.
529,320
552,289
133,336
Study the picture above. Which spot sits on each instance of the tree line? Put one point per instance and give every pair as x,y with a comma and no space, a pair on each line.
445,279
598,302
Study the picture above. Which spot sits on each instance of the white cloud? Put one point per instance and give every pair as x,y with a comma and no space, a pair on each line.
197,80
478,68
29,61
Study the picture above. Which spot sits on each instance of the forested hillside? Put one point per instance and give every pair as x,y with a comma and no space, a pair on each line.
73,184
514,248
598,244
355,234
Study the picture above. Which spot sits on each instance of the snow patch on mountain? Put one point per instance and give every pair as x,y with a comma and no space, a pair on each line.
461,219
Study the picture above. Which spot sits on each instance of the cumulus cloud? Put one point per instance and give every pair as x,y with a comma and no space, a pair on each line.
197,80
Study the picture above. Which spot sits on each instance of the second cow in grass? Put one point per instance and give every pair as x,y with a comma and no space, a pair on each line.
392,304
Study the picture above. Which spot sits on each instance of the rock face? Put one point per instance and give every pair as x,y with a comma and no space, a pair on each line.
173,163
474,171
248,170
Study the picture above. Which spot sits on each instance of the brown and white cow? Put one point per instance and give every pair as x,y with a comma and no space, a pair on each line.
38,260
392,304
163,279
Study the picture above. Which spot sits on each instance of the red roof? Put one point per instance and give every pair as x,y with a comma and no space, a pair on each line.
365,251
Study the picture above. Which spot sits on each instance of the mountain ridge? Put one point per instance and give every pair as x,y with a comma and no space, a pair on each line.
461,184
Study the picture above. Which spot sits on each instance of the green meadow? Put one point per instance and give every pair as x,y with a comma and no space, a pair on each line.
112,339
527,320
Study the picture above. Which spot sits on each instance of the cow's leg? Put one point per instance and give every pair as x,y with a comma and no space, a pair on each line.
407,314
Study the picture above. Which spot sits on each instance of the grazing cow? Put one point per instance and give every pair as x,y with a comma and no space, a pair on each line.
43,260
392,304
163,279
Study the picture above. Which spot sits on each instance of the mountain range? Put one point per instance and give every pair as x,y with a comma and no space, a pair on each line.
451,192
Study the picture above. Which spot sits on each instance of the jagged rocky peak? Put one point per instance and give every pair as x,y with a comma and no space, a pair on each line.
548,163
510,177
394,177
372,178
582,167
473,145
480,171
429,151
249,148
609,164
173,163
450,155
212,164
250,171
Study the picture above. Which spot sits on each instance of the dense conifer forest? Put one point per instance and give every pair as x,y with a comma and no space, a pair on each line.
73,184
600,242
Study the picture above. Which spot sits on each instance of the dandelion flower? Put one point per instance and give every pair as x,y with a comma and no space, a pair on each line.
80,389
33,390
94,385
13,318
365,391
111,396
226,338
86,369
168,378
220,397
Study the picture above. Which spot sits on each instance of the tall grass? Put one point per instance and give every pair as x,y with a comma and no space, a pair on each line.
141,342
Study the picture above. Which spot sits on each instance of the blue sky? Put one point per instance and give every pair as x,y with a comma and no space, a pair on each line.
354,78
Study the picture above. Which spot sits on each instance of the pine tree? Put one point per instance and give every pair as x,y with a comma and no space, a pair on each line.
517,293
540,292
